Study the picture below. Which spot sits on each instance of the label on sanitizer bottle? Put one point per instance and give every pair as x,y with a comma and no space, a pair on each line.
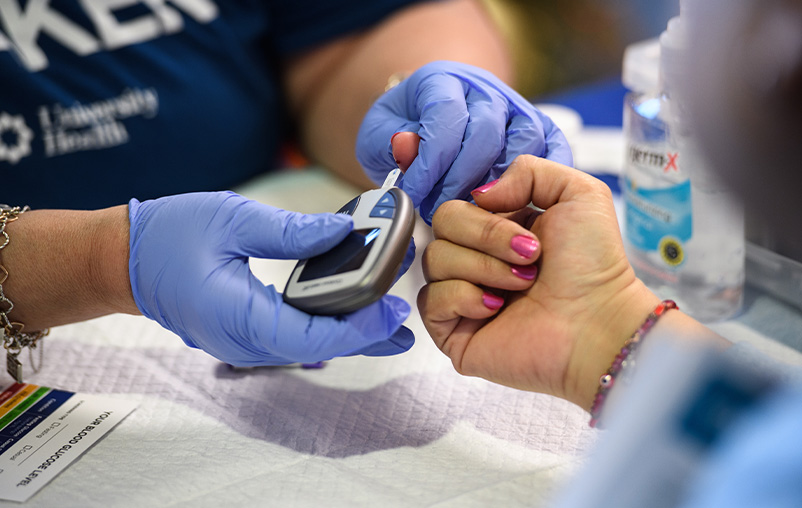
658,207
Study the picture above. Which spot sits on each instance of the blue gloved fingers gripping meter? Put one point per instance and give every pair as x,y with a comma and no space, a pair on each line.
361,268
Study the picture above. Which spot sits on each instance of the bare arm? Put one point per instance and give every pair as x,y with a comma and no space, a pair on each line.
66,266
331,88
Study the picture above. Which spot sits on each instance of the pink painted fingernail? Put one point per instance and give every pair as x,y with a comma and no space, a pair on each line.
484,188
525,246
526,272
492,301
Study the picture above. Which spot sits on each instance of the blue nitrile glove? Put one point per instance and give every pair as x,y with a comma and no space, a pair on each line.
756,462
472,126
189,272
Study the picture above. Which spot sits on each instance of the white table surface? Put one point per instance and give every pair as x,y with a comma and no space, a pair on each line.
397,431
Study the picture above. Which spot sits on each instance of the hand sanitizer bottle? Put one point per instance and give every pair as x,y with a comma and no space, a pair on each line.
684,231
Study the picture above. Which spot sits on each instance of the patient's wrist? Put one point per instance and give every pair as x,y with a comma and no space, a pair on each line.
609,327
625,359
666,321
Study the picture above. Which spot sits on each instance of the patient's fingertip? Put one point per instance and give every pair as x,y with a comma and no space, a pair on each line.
404,148
491,301
484,188
525,272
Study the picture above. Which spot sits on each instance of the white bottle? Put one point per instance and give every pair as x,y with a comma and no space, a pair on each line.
684,231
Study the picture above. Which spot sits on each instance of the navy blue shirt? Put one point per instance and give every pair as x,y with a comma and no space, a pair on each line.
150,98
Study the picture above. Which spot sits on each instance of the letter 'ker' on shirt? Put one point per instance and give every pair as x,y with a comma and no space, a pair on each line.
20,27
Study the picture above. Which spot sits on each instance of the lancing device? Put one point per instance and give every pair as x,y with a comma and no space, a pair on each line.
361,268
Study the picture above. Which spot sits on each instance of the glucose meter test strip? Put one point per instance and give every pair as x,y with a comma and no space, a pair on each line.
361,268
392,178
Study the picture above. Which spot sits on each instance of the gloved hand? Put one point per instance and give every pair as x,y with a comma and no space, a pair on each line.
189,272
472,126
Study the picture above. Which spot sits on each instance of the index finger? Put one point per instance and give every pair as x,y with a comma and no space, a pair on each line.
464,224
542,182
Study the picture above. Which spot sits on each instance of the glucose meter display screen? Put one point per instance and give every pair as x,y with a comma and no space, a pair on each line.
347,256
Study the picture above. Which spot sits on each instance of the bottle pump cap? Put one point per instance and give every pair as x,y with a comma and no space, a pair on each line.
672,55
642,66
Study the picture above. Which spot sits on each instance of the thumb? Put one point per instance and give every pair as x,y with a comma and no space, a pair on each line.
267,232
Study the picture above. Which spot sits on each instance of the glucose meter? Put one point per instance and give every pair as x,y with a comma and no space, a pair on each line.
361,268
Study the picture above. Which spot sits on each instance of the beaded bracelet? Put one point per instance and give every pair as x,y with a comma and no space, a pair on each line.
623,359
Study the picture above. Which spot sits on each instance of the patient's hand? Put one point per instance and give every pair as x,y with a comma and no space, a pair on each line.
556,334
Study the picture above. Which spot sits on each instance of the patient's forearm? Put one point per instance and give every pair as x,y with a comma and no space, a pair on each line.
333,87
66,266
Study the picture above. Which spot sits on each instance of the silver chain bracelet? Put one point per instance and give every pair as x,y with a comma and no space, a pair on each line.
14,339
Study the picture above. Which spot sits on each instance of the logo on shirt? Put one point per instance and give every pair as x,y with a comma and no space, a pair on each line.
95,125
77,127
15,138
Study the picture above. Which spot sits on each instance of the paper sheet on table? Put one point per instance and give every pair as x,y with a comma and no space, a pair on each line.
399,431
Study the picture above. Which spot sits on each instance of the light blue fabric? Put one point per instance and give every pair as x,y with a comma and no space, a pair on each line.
189,272
758,462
